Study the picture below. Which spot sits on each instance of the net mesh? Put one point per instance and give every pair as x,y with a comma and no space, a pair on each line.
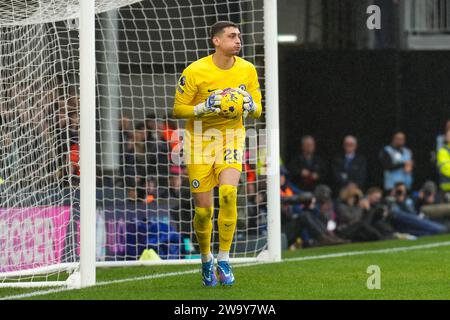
143,197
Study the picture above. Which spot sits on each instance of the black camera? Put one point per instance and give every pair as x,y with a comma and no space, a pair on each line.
304,199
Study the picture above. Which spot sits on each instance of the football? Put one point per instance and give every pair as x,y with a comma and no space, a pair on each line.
231,105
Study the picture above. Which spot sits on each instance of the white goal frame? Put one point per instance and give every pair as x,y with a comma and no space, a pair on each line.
83,273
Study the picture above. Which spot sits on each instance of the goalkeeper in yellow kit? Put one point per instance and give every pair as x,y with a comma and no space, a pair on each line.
198,99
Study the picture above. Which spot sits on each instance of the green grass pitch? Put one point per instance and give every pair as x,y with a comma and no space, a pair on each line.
421,270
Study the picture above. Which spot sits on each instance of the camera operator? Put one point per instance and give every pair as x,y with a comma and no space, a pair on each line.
426,203
376,212
353,223
307,223
405,217
427,196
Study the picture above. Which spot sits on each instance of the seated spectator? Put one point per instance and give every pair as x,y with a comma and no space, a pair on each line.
405,217
125,127
257,214
178,199
134,160
288,189
135,194
176,191
443,166
397,162
349,166
150,190
158,151
289,211
352,222
307,168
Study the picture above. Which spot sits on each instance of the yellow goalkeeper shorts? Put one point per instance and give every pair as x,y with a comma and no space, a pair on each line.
210,158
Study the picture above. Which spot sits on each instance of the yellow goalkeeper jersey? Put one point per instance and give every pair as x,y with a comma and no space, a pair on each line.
203,77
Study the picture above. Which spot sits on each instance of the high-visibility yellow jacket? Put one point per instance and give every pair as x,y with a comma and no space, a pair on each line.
443,164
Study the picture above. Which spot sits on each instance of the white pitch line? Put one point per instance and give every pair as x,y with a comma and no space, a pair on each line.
171,274
102,283
356,253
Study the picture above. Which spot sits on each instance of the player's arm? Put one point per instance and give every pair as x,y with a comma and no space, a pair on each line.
252,97
185,93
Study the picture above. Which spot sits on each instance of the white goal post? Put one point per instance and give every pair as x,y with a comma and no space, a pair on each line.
88,169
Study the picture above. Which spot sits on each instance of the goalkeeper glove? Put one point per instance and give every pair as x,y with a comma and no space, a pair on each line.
212,104
249,105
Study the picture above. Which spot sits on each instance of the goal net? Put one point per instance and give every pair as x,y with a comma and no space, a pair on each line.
144,208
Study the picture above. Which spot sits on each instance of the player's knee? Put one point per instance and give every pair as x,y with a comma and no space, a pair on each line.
227,196
203,214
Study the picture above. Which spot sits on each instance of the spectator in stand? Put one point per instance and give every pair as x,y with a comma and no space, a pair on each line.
349,166
136,155
289,211
441,140
352,222
135,194
125,127
125,139
168,133
178,199
397,162
405,217
158,150
250,171
74,126
443,166
307,168
176,191
150,190
74,148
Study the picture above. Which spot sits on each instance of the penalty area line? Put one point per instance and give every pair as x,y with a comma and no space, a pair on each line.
180,273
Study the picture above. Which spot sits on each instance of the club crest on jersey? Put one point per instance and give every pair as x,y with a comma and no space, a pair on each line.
243,87
233,98
195,183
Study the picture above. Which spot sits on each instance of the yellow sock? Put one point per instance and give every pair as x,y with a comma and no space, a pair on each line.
227,215
203,228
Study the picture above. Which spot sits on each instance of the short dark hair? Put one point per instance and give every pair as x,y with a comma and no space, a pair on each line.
373,190
218,27
399,184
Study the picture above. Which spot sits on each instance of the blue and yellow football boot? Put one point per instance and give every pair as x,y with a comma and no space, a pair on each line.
209,274
225,272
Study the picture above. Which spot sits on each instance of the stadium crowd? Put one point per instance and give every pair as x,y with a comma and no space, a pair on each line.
313,213
351,210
